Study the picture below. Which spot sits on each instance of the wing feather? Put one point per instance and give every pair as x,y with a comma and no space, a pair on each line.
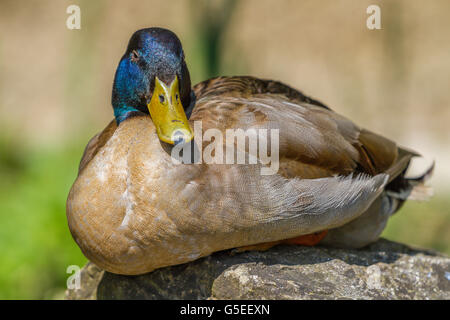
315,141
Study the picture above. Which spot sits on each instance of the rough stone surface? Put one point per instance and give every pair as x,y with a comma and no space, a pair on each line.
384,270
90,277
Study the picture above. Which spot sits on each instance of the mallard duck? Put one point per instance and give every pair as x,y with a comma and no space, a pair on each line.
133,209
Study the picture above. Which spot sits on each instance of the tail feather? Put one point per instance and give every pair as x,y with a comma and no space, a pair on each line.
410,184
421,193
416,173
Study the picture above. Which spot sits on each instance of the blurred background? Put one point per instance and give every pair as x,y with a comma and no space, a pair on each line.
55,91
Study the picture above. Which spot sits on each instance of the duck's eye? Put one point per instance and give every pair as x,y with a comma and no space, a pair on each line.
134,56
176,97
161,98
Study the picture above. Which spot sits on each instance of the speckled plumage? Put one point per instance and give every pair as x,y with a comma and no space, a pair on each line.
132,210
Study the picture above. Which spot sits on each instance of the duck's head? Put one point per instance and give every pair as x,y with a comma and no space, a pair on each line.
152,77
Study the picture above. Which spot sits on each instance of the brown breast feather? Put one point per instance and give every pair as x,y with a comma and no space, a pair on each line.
96,143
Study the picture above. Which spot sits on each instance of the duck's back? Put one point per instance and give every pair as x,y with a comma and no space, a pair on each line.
314,140
132,209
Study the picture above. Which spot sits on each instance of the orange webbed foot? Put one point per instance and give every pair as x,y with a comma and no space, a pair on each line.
307,239
304,240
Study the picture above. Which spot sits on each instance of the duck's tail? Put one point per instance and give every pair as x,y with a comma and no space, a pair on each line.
411,182
420,191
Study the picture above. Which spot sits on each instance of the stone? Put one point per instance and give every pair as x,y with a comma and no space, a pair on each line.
90,278
383,270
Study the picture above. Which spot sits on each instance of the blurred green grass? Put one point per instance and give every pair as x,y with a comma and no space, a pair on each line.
35,243
37,247
423,224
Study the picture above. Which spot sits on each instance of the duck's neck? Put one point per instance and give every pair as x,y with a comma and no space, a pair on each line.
123,112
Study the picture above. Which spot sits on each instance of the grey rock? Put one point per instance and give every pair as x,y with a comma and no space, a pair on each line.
383,270
90,278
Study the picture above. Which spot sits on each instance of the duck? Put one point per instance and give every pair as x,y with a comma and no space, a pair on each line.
136,205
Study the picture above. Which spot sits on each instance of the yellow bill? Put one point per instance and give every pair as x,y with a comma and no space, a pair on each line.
168,114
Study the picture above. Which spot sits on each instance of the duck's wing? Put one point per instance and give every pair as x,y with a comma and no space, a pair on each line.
96,143
330,170
314,141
